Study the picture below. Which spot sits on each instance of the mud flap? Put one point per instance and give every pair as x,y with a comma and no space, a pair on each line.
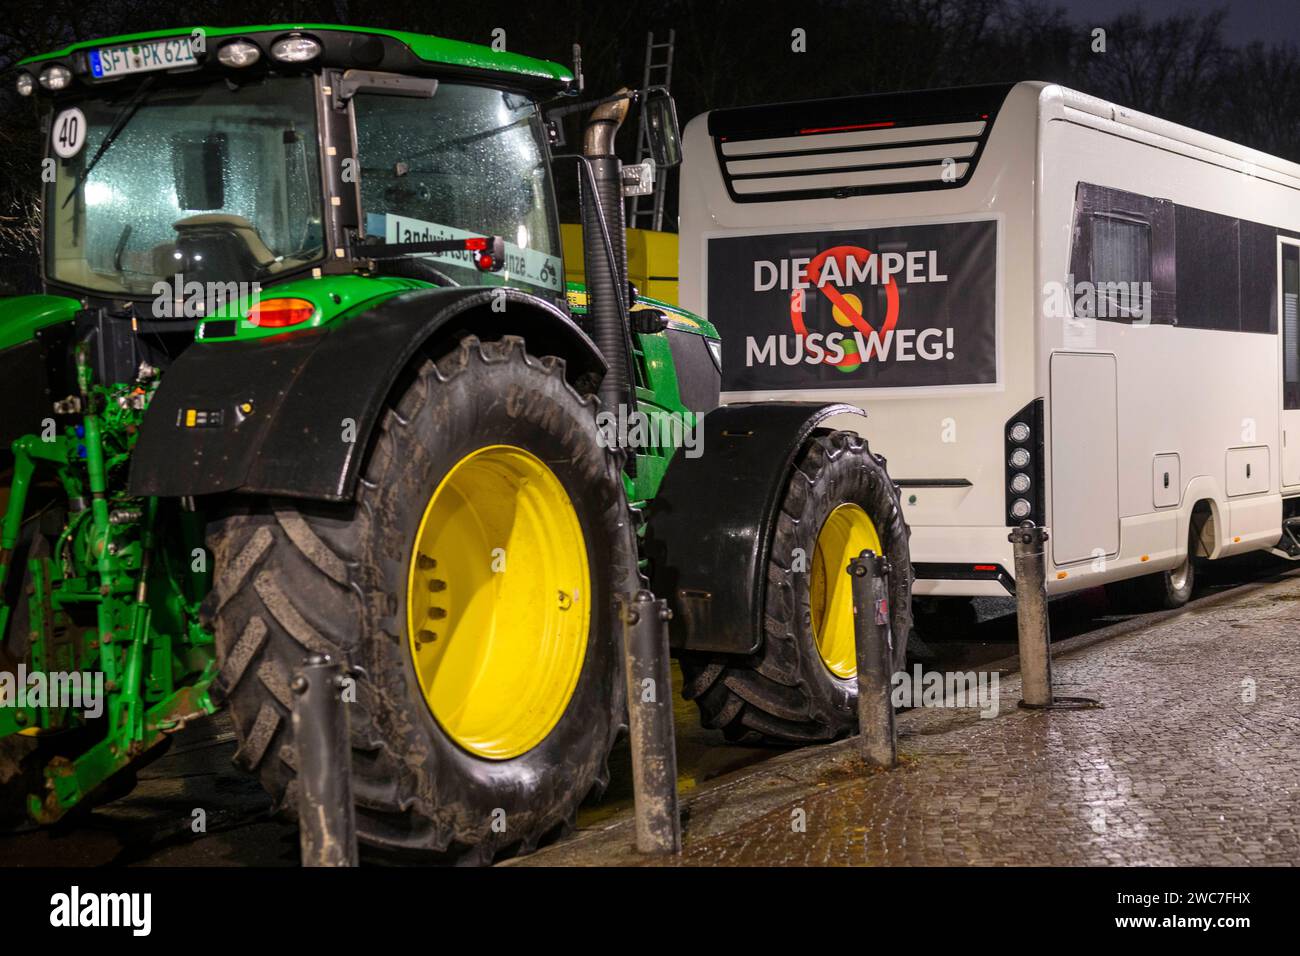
710,526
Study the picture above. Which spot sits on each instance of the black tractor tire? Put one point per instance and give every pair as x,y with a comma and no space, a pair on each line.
785,693
293,578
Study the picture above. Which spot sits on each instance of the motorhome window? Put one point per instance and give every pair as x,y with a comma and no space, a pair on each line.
1208,289
1290,326
1123,237
1121,266
1257,259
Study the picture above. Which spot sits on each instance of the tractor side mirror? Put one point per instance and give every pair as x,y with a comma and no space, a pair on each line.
199,171
661,125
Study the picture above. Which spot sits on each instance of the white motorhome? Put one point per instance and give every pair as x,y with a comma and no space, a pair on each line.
1052,308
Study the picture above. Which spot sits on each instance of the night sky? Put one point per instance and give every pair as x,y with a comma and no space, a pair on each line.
1270,21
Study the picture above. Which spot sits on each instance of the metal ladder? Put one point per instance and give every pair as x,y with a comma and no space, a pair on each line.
658,72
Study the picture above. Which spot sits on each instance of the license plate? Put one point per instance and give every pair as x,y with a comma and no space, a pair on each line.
110,61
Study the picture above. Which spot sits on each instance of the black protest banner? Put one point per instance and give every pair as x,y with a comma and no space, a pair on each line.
887,307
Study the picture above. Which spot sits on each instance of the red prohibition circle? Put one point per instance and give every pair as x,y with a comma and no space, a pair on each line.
841,254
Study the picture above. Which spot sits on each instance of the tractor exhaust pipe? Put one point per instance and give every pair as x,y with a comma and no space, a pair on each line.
602,202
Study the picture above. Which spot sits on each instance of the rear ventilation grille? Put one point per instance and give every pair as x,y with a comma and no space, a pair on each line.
765,157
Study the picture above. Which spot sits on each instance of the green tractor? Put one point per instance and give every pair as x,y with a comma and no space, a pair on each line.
306,377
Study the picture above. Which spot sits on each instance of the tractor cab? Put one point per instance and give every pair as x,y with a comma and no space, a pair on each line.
185,173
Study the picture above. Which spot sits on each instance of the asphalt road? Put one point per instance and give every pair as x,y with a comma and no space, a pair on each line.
192,807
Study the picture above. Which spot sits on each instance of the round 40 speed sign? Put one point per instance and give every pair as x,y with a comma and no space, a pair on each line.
68,133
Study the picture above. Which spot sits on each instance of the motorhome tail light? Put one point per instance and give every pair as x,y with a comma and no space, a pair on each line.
1023,486
280,313
239,53
55,78
295,49
964,572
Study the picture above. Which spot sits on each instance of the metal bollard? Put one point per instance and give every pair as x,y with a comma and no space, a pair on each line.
877,736
327,825
650,722
1033,626
1031,616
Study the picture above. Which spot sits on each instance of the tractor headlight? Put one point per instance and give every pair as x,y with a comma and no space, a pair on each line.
55,78
239,53
715,352
295,49
25,84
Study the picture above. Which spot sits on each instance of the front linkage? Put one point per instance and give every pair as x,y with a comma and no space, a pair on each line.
111,609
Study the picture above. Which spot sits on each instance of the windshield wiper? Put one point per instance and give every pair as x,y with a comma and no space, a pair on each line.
119,123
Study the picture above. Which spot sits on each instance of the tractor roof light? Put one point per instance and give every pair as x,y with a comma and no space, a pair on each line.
25,84
295,48
239,53
280,313
55,78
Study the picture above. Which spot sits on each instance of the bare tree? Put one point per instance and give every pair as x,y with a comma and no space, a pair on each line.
1172,68
737,52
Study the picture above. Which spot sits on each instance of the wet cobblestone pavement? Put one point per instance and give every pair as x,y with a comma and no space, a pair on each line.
1176,768
1193,759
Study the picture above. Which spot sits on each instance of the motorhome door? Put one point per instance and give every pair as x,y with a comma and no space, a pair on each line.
1288,290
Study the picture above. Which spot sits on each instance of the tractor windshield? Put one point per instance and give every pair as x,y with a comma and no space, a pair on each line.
212,183
471,161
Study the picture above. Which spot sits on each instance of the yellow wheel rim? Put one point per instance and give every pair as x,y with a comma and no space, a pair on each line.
498,602
846,533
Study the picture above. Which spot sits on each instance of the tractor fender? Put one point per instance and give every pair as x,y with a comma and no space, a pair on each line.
709,528
292,416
